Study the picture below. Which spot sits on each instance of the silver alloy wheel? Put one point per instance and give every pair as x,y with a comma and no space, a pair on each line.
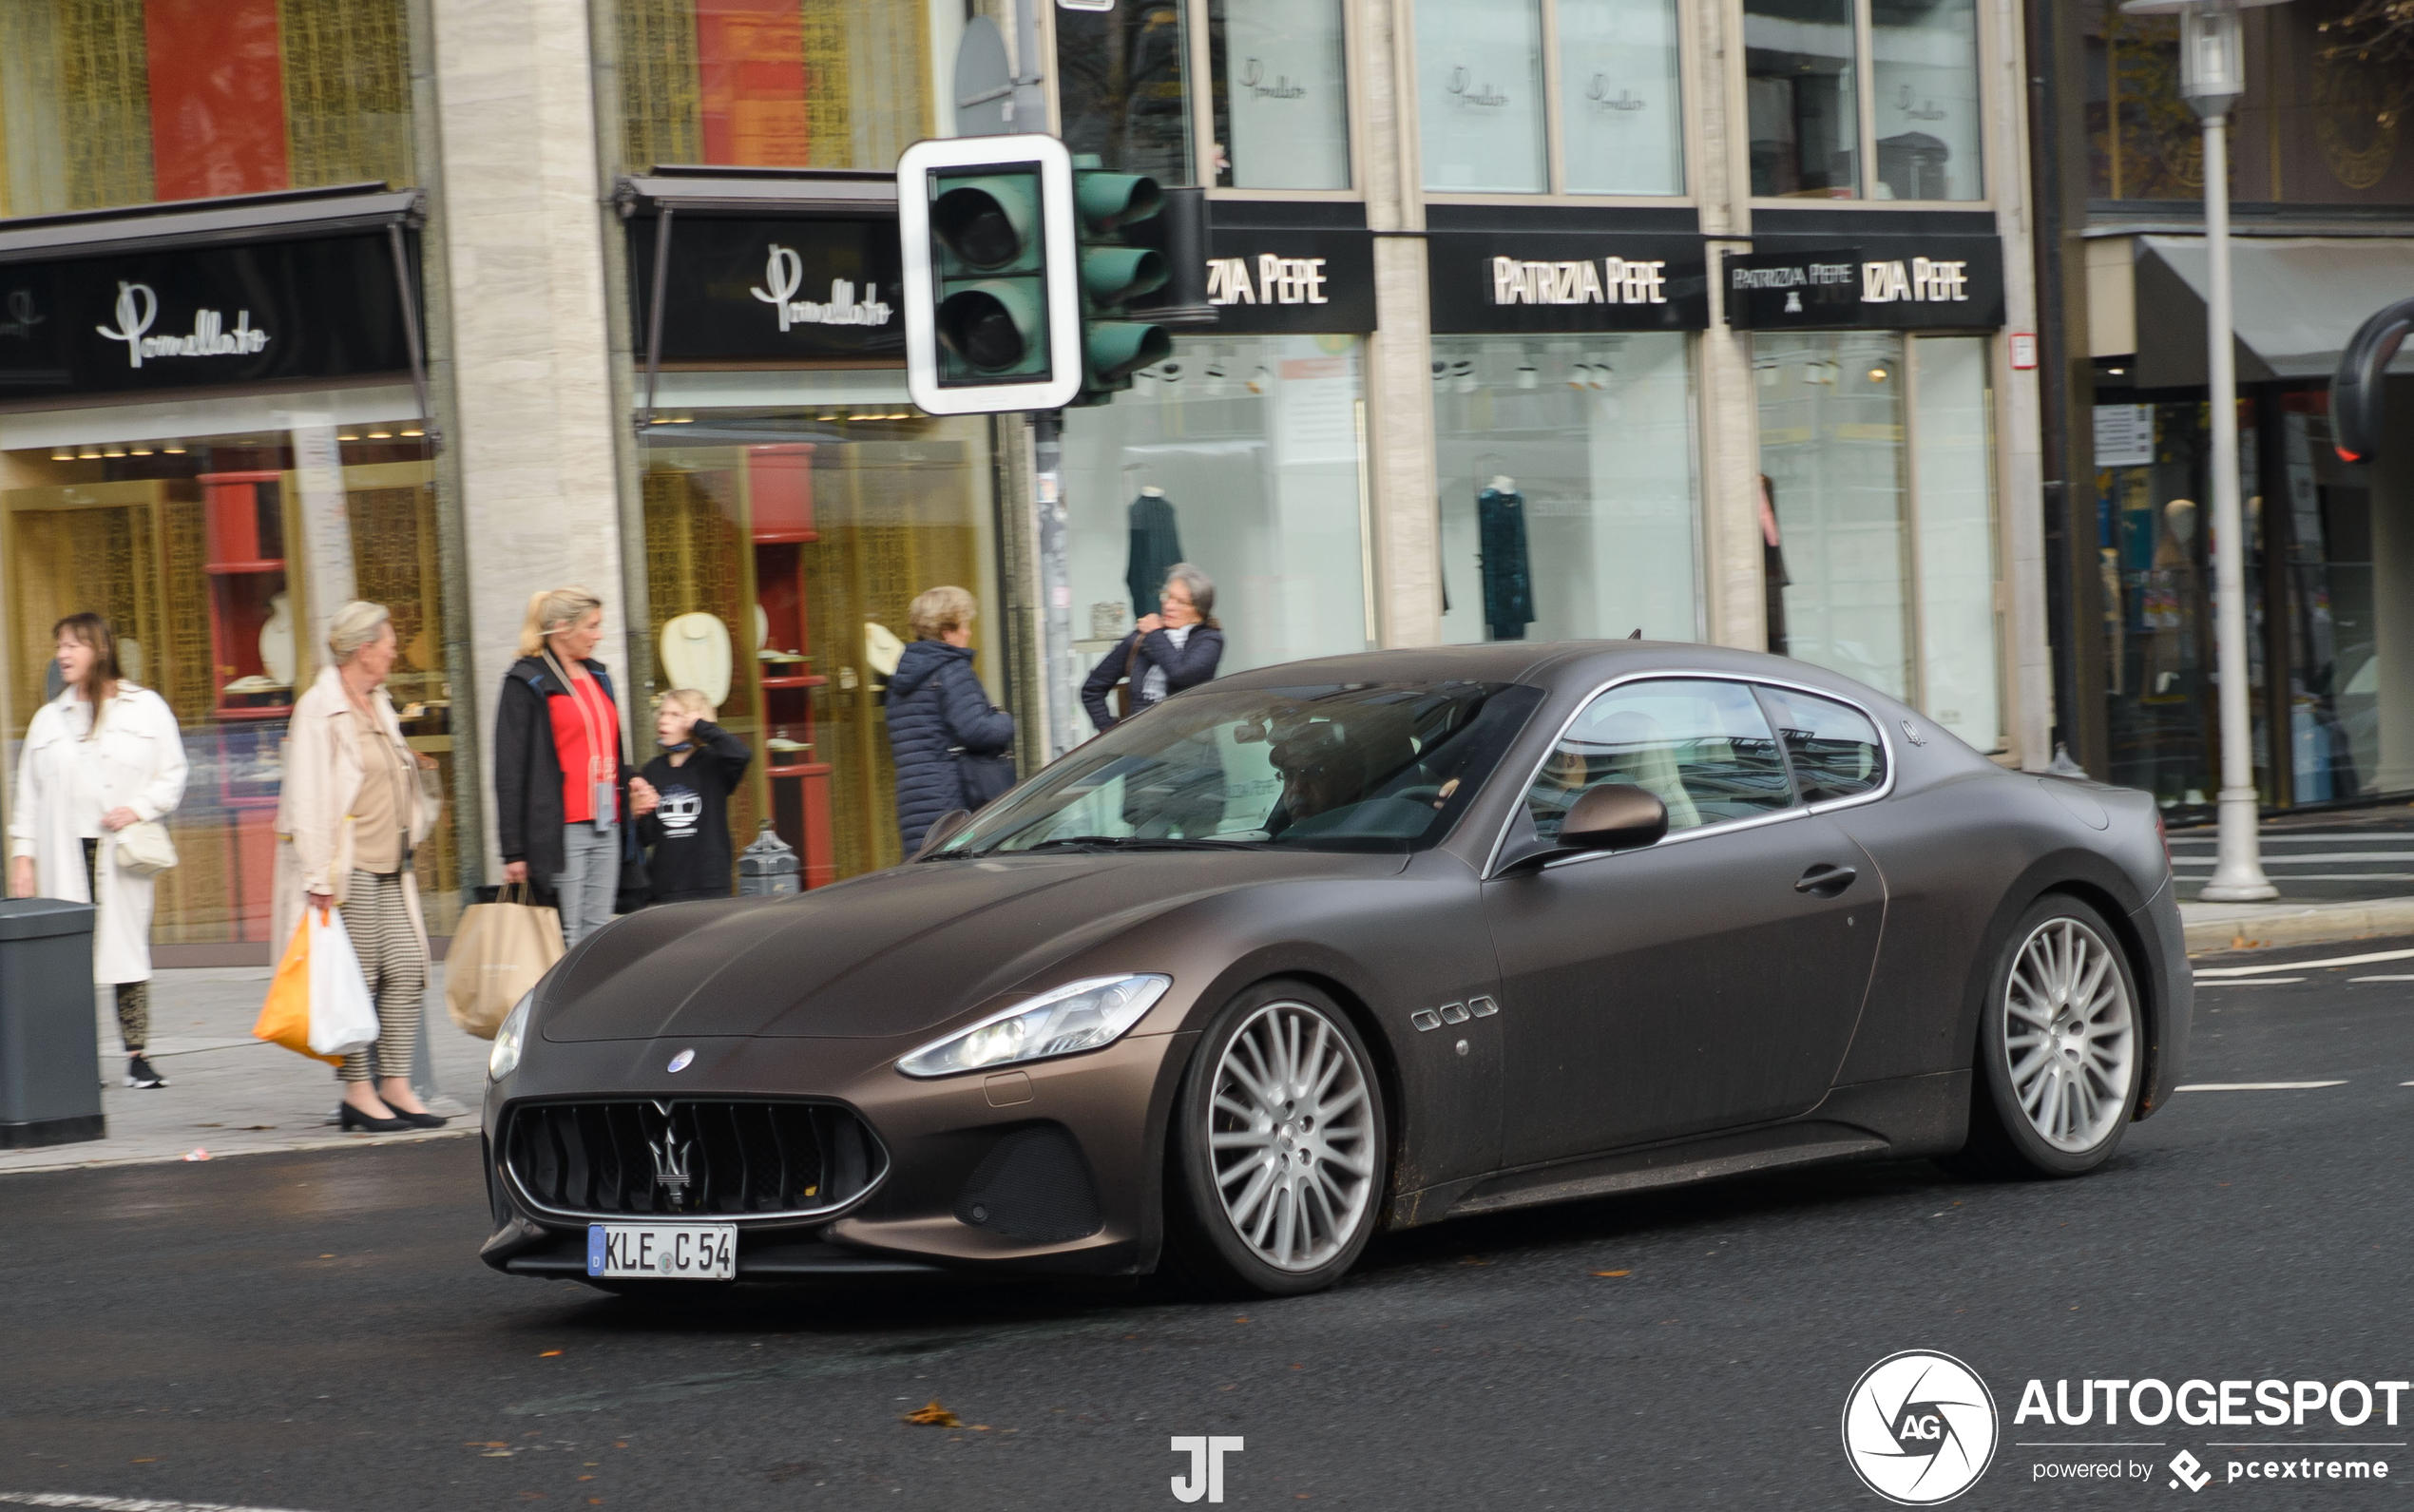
1291,1136
2070,1037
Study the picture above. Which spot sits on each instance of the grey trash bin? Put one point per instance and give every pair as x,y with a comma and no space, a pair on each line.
50,1036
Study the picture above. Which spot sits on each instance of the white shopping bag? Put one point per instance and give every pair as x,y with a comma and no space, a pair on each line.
341,1017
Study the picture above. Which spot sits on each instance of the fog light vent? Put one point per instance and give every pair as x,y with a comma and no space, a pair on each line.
1033,1185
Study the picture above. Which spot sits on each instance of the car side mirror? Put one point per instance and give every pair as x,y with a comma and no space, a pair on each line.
1614,816
943,829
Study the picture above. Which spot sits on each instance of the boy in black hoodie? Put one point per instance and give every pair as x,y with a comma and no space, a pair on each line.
687,827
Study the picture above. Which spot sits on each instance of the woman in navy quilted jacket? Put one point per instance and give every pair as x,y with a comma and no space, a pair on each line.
936,708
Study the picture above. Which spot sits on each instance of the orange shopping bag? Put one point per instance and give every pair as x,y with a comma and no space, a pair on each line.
284,1019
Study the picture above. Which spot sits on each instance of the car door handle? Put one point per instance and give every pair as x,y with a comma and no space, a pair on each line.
1825,881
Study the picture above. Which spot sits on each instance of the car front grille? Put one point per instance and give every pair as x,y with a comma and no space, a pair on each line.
703,1157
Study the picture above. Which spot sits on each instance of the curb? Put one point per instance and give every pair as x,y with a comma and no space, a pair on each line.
2258,925
68,1161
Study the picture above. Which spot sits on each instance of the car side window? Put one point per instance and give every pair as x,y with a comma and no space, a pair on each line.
1834,748
1703,748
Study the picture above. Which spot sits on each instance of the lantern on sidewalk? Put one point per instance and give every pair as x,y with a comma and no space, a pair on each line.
768,868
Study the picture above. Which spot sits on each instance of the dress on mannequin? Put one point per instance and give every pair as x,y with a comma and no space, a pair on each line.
1156,545
1509,574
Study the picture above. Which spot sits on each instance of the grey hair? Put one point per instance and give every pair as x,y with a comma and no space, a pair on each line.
353,626
1201,589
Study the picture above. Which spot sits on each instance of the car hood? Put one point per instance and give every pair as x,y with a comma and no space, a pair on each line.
898,952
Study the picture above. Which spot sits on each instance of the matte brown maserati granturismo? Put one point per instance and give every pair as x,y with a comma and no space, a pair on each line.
1349,945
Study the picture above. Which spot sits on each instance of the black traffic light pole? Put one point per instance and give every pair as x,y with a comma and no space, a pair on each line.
1062,674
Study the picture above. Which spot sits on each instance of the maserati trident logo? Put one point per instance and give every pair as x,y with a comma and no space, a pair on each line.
671,1161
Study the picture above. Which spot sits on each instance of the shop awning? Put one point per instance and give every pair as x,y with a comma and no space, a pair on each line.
283,215
849,192
2295,301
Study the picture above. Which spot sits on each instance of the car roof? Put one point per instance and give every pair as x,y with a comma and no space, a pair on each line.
1555,664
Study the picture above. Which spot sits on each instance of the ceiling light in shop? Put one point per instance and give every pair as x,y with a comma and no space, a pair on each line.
381,435
113,452
63,454
1527,376
141,452
420,433
174,449
1879,375
341,436
88,454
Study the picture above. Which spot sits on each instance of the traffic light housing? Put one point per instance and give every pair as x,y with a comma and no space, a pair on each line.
1114,272
2358,389
993,303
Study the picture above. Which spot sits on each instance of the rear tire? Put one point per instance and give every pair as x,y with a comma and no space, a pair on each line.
2060,1049
1276,1160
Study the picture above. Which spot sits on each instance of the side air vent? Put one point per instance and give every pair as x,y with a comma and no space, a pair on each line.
1033,1185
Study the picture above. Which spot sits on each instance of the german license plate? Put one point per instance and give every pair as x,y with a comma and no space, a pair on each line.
679,1251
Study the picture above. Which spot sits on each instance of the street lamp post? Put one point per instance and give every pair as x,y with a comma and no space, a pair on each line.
2212,76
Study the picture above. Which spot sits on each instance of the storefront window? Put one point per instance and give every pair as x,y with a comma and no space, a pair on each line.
2154,506
1879,534
1568,496
1924,54
1620,96
770,84
1480,95
1803,95
1238,455
2335,740
790,519
1282,103
146,100
1122,87
217,537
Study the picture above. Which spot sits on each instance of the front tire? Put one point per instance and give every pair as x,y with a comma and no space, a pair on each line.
1279,1147
2060,1048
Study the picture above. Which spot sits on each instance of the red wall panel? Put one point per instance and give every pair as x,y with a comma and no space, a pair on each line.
750,57
218,97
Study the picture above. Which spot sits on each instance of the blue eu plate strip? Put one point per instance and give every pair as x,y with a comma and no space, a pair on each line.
595,1249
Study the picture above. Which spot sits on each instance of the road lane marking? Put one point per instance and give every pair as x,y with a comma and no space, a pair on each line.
2257,1087
2381,979
2263,981
2305,966
117,1503
2304,858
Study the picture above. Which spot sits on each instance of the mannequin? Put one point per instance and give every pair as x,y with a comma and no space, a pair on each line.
2171,599
1156,545
1509,574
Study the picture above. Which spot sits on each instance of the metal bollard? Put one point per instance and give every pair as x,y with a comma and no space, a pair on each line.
768,868
49,1042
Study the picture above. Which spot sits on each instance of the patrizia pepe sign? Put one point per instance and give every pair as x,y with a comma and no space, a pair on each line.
1943,283
768,289
263,312
1565,280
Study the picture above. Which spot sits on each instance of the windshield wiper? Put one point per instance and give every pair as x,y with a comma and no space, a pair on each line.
1134,842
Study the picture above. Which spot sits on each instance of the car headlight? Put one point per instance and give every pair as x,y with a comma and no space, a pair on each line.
1079,1016
505,1059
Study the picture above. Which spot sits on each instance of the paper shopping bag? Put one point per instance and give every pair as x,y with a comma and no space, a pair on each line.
341,1017
499,950
284,1019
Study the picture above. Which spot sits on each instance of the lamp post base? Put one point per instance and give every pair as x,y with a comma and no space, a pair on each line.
2237,869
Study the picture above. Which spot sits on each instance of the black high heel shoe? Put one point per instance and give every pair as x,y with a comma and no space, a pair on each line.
420,1120
353,1119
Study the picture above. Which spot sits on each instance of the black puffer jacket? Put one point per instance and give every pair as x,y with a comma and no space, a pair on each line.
936,702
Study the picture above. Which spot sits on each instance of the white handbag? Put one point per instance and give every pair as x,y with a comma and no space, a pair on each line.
144,848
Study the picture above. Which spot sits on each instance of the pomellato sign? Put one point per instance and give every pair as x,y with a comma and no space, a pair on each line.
1941,282
771,289
264,313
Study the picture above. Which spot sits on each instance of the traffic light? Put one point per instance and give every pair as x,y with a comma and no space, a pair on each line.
1114,272
992,304
2357,389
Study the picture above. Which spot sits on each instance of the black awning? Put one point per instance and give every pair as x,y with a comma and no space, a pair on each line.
852,193
281,214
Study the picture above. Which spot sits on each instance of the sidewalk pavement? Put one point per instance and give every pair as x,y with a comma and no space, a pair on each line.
230,1093
2255,925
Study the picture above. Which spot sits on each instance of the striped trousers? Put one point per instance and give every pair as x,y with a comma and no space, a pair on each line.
377,917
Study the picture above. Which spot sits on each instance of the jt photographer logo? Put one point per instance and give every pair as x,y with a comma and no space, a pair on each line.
1918,1428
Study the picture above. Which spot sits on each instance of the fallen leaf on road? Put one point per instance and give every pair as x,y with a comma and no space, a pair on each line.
154,1460
934,1416
197,1153
1612,1272
980,1427
549,1354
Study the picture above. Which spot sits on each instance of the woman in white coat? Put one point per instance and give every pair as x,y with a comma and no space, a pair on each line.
351,813
80,780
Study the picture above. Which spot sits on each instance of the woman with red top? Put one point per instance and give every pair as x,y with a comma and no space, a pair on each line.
566,796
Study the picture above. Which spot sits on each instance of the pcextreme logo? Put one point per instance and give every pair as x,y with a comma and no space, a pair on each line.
1918,1428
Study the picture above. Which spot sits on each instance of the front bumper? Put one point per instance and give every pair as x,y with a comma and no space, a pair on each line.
1049,1168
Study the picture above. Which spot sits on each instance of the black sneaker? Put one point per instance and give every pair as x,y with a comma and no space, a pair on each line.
138,1074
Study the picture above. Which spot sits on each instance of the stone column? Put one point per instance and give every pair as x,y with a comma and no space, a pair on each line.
1398,375
2019,473
535,436
1735,610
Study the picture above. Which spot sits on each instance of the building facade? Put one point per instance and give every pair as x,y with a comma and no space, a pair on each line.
2322,185
1536,319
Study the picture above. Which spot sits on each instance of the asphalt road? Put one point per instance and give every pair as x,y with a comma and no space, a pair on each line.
2352,855
314,1332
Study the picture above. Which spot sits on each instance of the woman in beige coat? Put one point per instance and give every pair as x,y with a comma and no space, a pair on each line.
353,809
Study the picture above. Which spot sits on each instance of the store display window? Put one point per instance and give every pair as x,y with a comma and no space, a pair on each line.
1240,456
1569,496
139,100
772,84
785,535
1282,100
1802,97
1122,87
1621,96
1925,75
1878,516
1480,95
215,535
2340,746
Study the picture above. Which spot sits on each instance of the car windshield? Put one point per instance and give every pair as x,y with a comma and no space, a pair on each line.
1359,766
